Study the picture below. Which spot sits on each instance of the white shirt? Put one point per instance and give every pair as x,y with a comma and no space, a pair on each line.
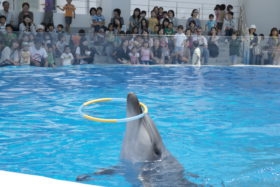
179,39
67,58
10,18
201,40
38,54
5,54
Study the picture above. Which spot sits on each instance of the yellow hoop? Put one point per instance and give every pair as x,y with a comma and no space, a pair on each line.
104,120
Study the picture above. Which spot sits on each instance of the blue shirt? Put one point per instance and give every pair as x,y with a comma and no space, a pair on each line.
209,24
98,18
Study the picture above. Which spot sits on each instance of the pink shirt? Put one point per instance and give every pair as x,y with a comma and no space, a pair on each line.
145,54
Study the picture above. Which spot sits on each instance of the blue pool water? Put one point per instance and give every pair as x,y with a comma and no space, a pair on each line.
221,123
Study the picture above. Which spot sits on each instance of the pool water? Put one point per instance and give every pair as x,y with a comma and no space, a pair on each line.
221,123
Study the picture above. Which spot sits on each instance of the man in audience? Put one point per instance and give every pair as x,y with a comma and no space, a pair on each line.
10,19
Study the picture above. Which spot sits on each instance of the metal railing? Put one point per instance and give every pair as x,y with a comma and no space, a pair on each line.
105,47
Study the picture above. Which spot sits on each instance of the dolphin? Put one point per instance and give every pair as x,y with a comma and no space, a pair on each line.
145,161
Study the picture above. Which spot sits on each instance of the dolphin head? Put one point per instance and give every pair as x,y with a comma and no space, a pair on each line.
142,141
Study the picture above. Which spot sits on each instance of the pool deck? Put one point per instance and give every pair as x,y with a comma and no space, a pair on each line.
12,179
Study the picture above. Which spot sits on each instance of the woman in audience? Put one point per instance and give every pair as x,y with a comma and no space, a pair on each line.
172,18
272,42
194,17
84,54
25,12
117,15
134,20
27,26
122,53
15,53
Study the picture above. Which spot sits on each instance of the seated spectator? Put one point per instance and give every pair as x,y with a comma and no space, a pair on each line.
276,54
10,19
122,53
3,24
234,48
117,15
98,20
109,40
229,24
210,23
134,56
60,29
194,17
164,16
165,24
40,31
156,29
153,21
157,55
47,37
172,18
170,29
38,54
144,26
146,54
117,26
213,45
272,42
84,54
179,41
15,53
192,27
160,13
185,55
92,11
67,57
60,45
134,20
164,43
5,53
50,29
25,12
50,58
9,35
189,39
25,54
27,26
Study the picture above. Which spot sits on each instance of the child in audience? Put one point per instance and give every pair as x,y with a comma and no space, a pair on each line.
210,23
69,9
98,20
50,58
145,53
179,41
153,21
25,54
60,29
234,48
67,57
134,56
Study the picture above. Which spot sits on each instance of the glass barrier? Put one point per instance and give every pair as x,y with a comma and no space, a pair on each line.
59,49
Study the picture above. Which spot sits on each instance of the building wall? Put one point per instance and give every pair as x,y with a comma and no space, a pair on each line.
264,14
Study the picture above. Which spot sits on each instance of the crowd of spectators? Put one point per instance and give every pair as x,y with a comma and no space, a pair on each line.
157,39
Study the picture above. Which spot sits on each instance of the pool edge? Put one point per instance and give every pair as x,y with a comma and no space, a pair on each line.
12,179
